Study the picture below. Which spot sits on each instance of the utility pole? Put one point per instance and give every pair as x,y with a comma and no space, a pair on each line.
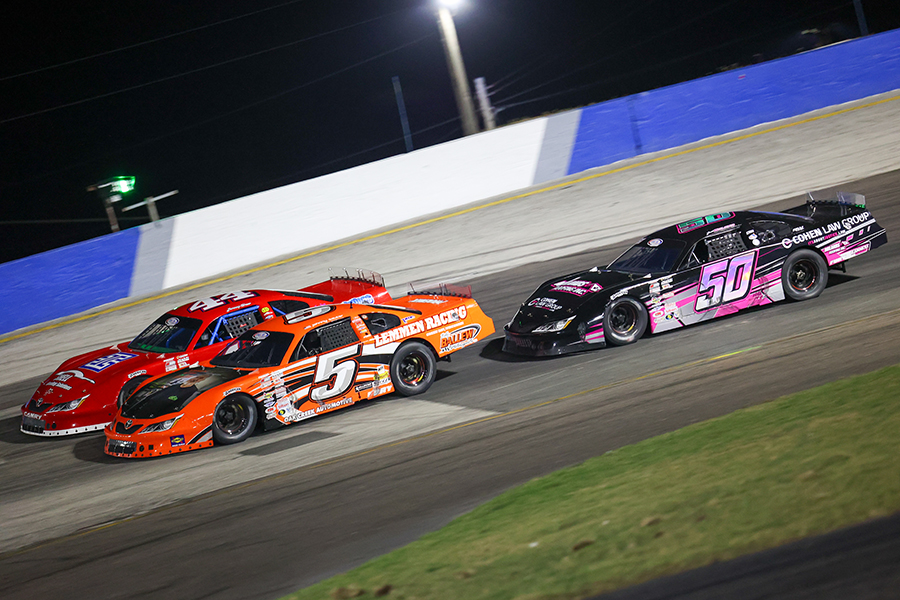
150,202
401,106
457,72
484,103
861,18
110,192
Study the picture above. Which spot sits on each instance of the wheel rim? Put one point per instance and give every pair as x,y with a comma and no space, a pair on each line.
413,369
623,319
803,275
232,417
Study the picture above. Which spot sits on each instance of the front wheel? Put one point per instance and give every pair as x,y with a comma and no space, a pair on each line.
234,419
624,321
804,275
413,368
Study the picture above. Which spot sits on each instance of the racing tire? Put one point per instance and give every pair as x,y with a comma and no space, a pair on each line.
624,321
234,419
413,368
129,388
804,275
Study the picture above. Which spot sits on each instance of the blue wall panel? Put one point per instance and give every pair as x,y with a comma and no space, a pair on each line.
741,98
604,136
67,280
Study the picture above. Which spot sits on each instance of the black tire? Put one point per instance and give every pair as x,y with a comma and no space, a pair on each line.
129,388
234,419
624,321
413,368
804,275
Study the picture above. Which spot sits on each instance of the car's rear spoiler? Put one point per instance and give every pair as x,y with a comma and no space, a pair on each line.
363,275
830,203
443,289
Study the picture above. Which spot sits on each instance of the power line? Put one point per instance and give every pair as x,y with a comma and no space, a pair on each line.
192,71
234,111
146,42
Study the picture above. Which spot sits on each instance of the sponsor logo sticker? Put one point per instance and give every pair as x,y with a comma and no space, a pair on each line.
104,362
260,335
655,242
172,321
176,440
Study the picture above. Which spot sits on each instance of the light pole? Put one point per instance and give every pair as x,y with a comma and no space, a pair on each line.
457,69
111,191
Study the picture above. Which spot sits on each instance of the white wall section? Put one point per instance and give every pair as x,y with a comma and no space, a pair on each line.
310,213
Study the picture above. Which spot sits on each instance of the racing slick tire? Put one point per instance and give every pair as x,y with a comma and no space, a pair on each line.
624,321
128,389
234,419
413,368
804,275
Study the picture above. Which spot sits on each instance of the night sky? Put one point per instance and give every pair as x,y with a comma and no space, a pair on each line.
220,99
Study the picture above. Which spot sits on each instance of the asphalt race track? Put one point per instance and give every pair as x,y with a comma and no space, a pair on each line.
288,508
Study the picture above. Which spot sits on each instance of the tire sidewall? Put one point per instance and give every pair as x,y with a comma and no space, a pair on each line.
641,321
821,274
222,437
407,349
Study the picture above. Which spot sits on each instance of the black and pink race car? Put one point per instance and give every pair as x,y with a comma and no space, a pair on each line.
694,271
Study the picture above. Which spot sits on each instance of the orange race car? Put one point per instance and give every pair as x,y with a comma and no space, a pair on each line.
84,393
301,365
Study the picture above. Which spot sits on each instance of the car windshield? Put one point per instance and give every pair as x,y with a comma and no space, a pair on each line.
655,256
255,349
167,334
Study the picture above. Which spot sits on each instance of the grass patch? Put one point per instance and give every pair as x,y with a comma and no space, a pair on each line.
801,465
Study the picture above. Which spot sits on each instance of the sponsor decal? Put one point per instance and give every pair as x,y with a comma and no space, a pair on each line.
577,287
239,307
32,415
408,319
59,385
364,386
176,440
172,321
654,242
814,235
428,323
104,362
66,375
796,229
426,301
260,335
265,309
701,221
459,338
137,373
545,304
364,299
216,301
231,391
177,362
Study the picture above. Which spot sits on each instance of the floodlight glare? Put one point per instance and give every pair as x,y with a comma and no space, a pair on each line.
451,4
121,185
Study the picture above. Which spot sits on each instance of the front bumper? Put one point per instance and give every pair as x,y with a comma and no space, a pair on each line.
57,424
155,444
524,344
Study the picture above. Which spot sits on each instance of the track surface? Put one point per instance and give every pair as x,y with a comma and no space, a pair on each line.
277,533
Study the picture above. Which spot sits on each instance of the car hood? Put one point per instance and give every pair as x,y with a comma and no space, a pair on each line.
171,393
562,297
91,372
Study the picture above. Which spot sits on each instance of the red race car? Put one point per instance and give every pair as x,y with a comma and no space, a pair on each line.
84,393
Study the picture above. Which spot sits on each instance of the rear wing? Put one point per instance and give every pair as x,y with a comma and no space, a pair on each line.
442,289
362,275
830,204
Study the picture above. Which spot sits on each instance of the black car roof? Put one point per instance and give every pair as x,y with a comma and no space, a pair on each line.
692,230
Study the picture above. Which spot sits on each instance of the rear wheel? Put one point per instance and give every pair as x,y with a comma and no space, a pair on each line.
624,321
413,368
804,275
234,419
